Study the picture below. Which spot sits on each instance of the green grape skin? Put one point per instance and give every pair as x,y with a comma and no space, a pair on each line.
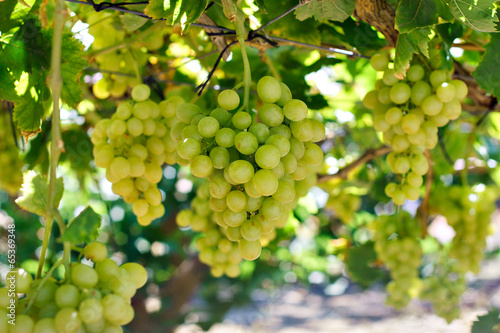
379,61
208,127
234,219
225,137
106,270
176,131
220,157
222,116
269,89
155,145
246,143
141,92
114,308
219,187
249,250
271,115
380,124
302,130
139,151
279,142
271,209
384,95
201,166
446,92
460,89
241,171
400,93
140,207
301,171
142,110
260,131
295,110
419,91
168,106
400,143
95,251
83,275
228,99
319,130
431,105
189,148
282,130
186,112
23,324
393,116
437,77
419,164
415,73
253,204
267,156
265,182
45,294
390,189
452,109
290,163
236,201
279,170
45,325
251,230
313,154
67,321
251,191
101,89
402,165
233,233
370,100
388,78
410,123
414,179
120,167
90,311
22,280
286,94
242,120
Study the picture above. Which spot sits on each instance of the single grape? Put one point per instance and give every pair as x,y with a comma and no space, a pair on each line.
431,105
236,201
271,115
188,148
95,251
201,166
250,250
271,209
228,99
219,157
269,89
246,143
90,311
260,131
446,92
222,116
242,120
265,182
393,115
241,171
295,110
251,230
415,73
267,156
400,93
419,92
389,79
141,92
234,219
302,130
83,276
186,112
460,89
286,94
379,61
225,136
67,296
67,321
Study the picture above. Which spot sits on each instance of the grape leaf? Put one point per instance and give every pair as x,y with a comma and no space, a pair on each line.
335,10
28,114
359,264
72,65
412,14
132,22
477,14
486,74
175,11
487,323
34,193
408,44
83,228
161,9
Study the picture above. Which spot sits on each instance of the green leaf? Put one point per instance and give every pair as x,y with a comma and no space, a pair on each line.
176,11
161,9
408,44
72,65
487,323
359,263
486,74
132,22
335,10
477,14
35,193
28,115
412,14
83,228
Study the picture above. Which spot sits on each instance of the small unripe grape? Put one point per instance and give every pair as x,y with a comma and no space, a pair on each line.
400,93
295,110
446,92
141,92
271,115
269,89
228,99
415,73
286,94
393,115
379,61
95,251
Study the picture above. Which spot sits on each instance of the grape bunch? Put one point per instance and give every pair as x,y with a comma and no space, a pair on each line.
409,112
11,175
107,30
252,167
396,244
468,211
132,146
94,300
444,290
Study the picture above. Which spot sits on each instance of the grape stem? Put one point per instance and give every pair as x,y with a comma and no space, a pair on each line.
56,145
235,14
42,282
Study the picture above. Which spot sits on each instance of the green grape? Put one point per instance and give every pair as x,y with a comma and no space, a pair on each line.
460,89
419,92
452,109
251,230
246,143
319,130
101,89
241,171
153,196
115,307
153,173
219,157
139,151
251,190
188,148
253,204
45,325
46,293
265,182
384,95
414,179
446,92
419,164
201,166
271,115
279,170
313,155
390,189
389,79
225,137
67,321
90,311
83,276
295,110
137,167
302,130
393,115
398,197
370,100
279,142
415,73
400,143
155,145
140,207
23,324
120,167
236,201
122,285
228,99
267,156
106,269
176,132
95,251
117,128
410,192
250,250
219,187
142,110
222,116
141,92
21,278
438,77
410,123
269,89
402,165
271,209
186,112
233,234
286,94
400,93
234,219
301,171
242,120
379,61
431,105
168,107
380,124
290,163
260,131
67,296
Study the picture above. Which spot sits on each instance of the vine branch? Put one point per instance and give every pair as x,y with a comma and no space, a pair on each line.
368,155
